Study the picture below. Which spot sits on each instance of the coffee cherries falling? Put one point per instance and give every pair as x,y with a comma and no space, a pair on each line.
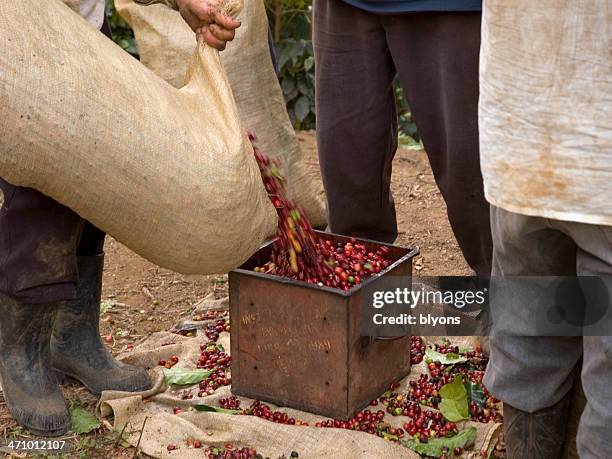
298,253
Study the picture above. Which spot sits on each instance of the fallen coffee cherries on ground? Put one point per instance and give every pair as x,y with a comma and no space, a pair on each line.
298,253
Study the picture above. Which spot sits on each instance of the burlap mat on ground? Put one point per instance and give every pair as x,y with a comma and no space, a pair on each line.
270,439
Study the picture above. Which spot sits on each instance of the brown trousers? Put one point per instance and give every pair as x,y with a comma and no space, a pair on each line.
357,55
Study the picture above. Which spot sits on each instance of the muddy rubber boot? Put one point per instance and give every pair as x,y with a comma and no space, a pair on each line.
76,348
538,435
30,388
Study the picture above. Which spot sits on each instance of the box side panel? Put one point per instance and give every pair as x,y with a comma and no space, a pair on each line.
374,363
289,344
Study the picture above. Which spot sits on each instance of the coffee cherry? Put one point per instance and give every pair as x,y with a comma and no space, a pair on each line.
299,254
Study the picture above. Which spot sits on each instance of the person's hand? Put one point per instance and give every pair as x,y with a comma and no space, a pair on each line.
208,20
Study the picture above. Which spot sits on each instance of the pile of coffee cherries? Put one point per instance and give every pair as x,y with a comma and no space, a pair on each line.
229,452
230,403
299,254
294,252
173,360
365,421
207,315
346,264
417,350
261,410
213,357
214,329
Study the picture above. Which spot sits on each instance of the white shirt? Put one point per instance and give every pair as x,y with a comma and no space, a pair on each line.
91,10
545,114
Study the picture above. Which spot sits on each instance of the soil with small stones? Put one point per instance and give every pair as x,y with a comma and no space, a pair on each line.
142,298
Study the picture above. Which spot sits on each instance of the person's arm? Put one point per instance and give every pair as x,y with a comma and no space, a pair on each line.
205,17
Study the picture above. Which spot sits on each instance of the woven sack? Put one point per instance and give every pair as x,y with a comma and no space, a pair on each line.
168,172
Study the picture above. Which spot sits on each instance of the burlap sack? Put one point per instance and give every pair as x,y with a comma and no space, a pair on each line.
165,42
170,173
162,427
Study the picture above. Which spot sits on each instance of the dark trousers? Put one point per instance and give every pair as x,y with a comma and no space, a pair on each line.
358,55
39,242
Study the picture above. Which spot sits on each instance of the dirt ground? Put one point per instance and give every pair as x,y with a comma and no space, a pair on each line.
143,298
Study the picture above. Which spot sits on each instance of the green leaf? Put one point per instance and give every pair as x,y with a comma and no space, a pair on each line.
436,446
475,393
215,409
303,87
184,377
302,108
82,421
292,95
445,359
288,85
284,55
106,306
454,405
308,63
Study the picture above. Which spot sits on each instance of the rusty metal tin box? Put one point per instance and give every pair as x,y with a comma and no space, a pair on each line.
299,345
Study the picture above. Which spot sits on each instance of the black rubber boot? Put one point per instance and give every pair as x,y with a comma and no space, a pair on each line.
30,388
76,348
538,435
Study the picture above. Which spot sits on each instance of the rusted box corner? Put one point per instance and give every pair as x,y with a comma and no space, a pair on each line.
299,345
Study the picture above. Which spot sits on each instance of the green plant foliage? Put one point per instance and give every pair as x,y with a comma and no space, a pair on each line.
184,377
291,25
122,32
475,393
445,359
409,136
454,405
435,447
82,421
214,409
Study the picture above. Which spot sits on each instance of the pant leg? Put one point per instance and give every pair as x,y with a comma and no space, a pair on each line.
436,55
91,242
356,119
594,438
531,373
594,258
38,239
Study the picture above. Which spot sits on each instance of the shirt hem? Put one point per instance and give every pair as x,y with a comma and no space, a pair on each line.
567,216
412,9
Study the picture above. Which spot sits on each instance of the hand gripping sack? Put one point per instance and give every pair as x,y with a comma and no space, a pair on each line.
168,172
164,41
